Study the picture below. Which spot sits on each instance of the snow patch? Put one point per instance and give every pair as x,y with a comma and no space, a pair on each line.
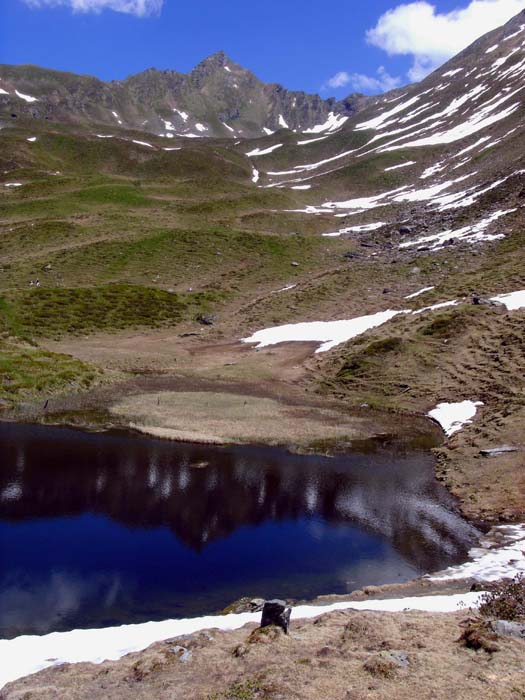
513,300
358,229
432,170
264,151
401,165
334,121
500,554
434,307
421,291
453,416
472,233
183,115
142,143
27,98
377,122
304,143
328,333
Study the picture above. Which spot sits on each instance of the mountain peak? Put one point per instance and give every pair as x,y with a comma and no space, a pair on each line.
216,60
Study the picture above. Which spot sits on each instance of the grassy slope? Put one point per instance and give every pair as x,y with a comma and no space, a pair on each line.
117,234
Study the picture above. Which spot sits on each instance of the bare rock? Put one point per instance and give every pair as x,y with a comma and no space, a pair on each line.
206,320
276,613
505,628
495,451
183,654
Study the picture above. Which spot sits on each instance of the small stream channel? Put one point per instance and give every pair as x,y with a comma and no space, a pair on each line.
101,529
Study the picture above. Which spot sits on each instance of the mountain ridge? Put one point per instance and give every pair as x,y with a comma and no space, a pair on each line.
227,100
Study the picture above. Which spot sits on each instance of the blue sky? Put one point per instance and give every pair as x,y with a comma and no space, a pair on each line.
300,44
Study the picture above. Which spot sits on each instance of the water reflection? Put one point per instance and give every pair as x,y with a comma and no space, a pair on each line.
101,529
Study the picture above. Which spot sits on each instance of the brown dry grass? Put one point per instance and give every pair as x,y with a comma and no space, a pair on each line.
213,417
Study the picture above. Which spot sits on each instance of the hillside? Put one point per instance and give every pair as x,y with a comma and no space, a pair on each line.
132,263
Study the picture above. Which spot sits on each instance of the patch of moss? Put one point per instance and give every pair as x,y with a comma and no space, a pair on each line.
360,362
54,312
31,371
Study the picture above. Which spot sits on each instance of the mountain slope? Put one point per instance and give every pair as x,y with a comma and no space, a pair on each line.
441,149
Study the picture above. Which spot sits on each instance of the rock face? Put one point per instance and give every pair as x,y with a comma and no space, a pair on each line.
217,98
276,613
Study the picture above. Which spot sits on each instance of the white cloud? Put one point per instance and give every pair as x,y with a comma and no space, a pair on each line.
417,29
139,8
381,82
339,79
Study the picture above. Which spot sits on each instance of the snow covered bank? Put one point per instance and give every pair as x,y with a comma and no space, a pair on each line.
500,554
28,654
453,416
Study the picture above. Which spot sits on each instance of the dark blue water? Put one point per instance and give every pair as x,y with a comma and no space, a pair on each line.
99,529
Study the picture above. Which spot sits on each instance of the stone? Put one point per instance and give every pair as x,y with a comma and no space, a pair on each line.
504,628
294,264
276,613
495,451
478,300
206,320
404,230
182,653
386,663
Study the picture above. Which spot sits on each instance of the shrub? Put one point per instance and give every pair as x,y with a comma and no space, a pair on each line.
505,600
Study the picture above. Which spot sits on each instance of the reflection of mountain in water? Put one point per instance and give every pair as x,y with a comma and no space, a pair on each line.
145,483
